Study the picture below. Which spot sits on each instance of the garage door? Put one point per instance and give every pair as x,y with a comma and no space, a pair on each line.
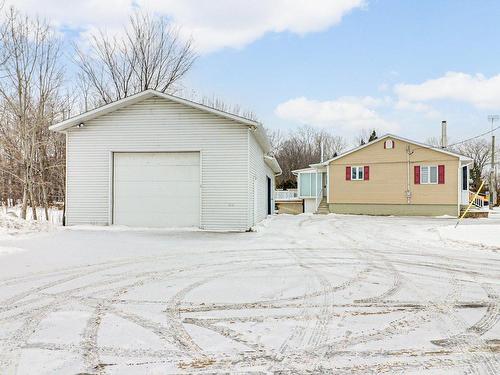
157,189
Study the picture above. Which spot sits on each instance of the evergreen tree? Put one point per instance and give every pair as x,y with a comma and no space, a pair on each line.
373,136
475,175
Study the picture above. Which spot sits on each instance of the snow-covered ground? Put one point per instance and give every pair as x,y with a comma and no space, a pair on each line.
55,214
303,294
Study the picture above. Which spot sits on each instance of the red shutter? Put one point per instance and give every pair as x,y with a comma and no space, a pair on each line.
440,174
367,172
385,144
416,174
348,173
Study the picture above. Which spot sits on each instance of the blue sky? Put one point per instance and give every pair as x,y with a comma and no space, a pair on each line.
371,50
345,65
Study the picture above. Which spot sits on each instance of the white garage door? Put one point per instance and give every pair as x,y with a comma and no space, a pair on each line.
157,189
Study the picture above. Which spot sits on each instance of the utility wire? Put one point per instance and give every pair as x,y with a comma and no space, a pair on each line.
475,137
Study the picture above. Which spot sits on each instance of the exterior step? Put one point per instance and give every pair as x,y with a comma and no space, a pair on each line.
323,208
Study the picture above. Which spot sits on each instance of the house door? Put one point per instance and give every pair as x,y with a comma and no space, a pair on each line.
465,185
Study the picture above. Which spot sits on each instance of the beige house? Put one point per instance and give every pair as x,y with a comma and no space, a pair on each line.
389,176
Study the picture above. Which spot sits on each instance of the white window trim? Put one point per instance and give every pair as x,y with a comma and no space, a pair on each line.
301,174
357,171
389,142
429,175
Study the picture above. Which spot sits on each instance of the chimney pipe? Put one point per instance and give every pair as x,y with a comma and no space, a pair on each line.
444,137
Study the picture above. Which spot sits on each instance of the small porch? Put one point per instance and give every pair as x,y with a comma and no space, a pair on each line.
479,203
313,188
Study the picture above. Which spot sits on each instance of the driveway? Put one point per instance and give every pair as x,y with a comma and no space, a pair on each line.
303,294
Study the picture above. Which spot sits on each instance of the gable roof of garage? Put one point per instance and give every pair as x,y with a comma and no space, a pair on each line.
111,107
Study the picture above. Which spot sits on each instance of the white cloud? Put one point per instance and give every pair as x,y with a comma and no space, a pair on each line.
79,15
478,90
212,24
428,111
346,113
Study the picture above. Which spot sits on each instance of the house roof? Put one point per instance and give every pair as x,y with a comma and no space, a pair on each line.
121,103
422,145
310,169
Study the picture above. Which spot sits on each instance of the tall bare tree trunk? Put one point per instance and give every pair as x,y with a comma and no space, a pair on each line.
24,206
33,202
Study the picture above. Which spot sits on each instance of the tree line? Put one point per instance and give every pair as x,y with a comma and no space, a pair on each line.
35,92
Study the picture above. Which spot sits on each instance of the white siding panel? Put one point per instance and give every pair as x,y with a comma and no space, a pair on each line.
258,173
156,125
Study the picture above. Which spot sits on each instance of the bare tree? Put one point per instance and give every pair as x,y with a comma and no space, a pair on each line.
365,136
478,150
30,80
433,141
150,55
303,147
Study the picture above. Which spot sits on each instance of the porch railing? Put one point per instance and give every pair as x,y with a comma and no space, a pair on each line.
285,195
478,201
319,198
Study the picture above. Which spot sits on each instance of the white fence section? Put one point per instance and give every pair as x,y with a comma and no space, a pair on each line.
285,195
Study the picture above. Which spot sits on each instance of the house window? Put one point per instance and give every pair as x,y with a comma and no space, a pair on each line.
389,143
309,184
429,174
357,173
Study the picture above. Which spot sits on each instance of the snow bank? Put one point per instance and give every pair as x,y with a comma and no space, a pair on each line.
10,224
483,234
55,214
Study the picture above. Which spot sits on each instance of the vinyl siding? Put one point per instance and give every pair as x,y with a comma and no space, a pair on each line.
388,176
258,173
157,124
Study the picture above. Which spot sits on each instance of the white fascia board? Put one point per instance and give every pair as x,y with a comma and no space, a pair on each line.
99,111
312,169
108,108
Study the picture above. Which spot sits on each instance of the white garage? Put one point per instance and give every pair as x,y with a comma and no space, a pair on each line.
160,189
157,160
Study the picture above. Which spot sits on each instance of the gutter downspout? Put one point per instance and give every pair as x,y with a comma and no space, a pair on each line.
460,187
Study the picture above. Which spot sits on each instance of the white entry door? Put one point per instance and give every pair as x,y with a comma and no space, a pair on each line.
160,189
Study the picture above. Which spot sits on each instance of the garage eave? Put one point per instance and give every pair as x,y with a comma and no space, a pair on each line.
273,164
